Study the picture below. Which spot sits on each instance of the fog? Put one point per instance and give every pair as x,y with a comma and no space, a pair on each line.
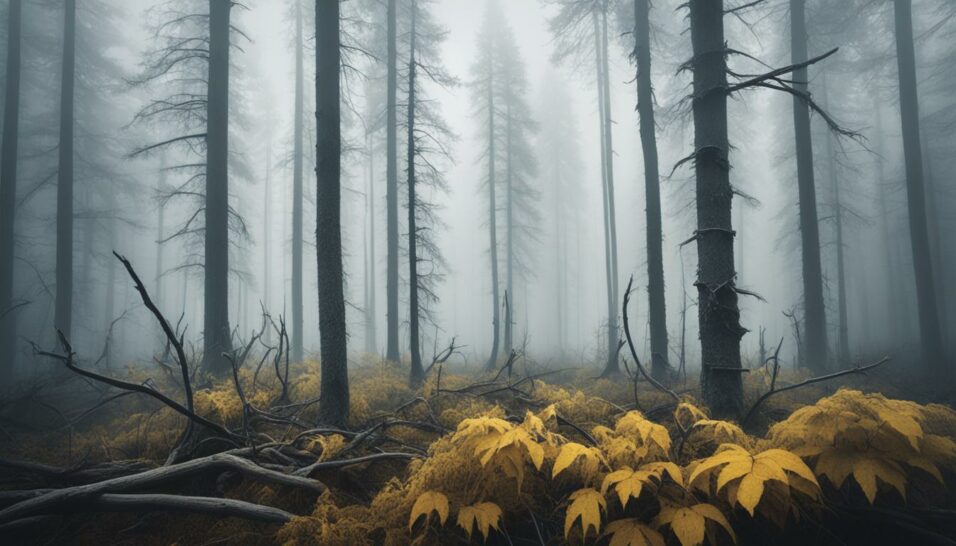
139,202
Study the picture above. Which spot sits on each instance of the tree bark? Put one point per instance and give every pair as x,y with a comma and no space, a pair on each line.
814,309
492,216
298,326
613,330
652,190
930,334
334,390
63,316
370,308
417,374
610,367
216,333
392,352
719,316
510,221
8,194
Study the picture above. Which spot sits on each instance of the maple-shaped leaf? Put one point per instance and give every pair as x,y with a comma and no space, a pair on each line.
837,465
634,423
570,452
689,524
752,471
425,504
628,483
666,468
686,414
632,532
586,504
484,515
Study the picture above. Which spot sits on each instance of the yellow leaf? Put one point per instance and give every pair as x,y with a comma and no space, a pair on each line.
750,491
586,504
669,469
631,532
570,452
628,483
485,515
711,512
687,525
687,414
428,502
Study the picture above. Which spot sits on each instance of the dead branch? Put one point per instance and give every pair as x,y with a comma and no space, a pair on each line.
155,502
773,390
630,345
56,499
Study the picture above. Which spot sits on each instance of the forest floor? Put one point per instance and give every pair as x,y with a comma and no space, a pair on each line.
525,456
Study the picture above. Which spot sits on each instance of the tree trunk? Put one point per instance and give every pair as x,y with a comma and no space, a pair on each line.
930,335
267,234
298,327
843,343
893,288
63,316
370,312
391,190
611,366
814,309
510,221
417,374
216,333
720,329
8,195
652,190
613,333
334,390
492,217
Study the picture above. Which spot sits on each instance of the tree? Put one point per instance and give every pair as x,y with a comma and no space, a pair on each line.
8,193
720,329
417,373
63,317
334,388
814,310
652,190
298,328
930,335
577,24
391,186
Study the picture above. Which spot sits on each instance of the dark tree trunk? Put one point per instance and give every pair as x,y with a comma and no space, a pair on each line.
370,308
334,390
8,194
652,190
63,317
391,190
216,333
893,288
843,342
298,326
611,366
267,233
510,221
417,374
814,310
720,329
493,218
930,335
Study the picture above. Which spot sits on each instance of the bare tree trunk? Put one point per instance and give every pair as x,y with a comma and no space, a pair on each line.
298,326
493,217
611,366
814,309
216,333
417,374
267,233
8,194
933,201
509,212
893,287
63,317
843,344
652,191
370,309
930,335
720,329
391,190
334,390
614,334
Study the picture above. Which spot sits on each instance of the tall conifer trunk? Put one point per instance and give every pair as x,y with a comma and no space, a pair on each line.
63,316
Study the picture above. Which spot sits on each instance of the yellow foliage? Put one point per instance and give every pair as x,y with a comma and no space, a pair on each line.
691,524
631,532
484,515
586,504
629,483
428,502
870,438
570,452
752,474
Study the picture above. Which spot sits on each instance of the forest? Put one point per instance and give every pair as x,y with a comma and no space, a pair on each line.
435,272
